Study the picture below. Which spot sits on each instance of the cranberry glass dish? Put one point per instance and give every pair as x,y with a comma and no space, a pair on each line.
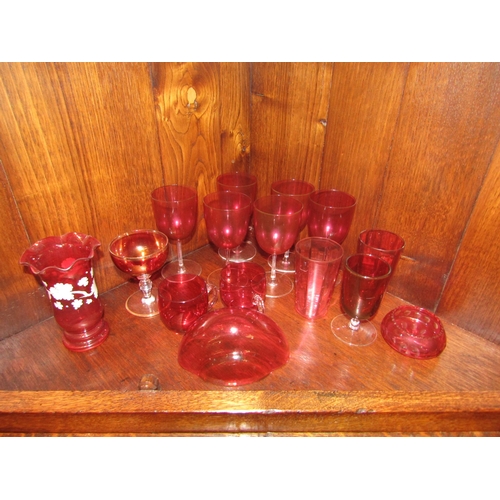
414,332
233,347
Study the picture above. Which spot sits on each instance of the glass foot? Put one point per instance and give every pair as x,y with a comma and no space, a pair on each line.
172,268
364,335
242,253
284,265
139,306
279,287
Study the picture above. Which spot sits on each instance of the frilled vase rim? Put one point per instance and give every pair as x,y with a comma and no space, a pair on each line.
33,256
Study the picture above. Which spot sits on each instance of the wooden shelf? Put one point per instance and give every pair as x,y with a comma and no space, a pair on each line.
326,388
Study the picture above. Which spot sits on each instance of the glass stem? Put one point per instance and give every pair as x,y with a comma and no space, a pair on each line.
182,267
146,286
354,324
273,270
286,257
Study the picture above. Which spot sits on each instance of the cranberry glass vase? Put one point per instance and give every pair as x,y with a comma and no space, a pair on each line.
64,265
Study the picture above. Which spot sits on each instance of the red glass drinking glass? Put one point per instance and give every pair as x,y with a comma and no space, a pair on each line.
364,282
227,215
301,191
64,265
243,284
175,209
240,182
141,253
277,221
331,214
317,265
384,244
183,298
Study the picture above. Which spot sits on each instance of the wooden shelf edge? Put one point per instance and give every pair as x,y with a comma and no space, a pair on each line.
226,412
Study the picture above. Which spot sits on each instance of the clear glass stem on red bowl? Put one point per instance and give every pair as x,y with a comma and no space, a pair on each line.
354,324
146,286
273,280
182,267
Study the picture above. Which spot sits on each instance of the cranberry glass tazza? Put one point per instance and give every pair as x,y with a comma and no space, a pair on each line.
141,253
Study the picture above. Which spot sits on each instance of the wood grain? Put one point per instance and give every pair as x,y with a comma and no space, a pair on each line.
235,117
472,294
446,135
289,111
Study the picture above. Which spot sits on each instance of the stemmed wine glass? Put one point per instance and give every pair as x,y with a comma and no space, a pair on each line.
277,221
331,214
141,253
301,191
239,182
227,215
364,283
175,210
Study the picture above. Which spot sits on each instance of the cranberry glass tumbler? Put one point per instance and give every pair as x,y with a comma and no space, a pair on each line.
317,265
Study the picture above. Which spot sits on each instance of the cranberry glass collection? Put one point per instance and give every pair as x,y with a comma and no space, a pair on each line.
250,345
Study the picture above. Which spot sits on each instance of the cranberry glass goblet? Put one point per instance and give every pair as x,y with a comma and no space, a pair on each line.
277,221
141,253
364,283
240,182
301,191
227,215
384,244
175,209
331,214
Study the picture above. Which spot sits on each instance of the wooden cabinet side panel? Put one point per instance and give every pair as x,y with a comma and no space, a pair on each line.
79,145
471,296
446,136
289,111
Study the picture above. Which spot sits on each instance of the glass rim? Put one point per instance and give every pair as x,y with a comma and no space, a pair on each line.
272,196
162,288
131,233
215,195
384,231
335,244
311,187
242,175
333,191
190,189
364,276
